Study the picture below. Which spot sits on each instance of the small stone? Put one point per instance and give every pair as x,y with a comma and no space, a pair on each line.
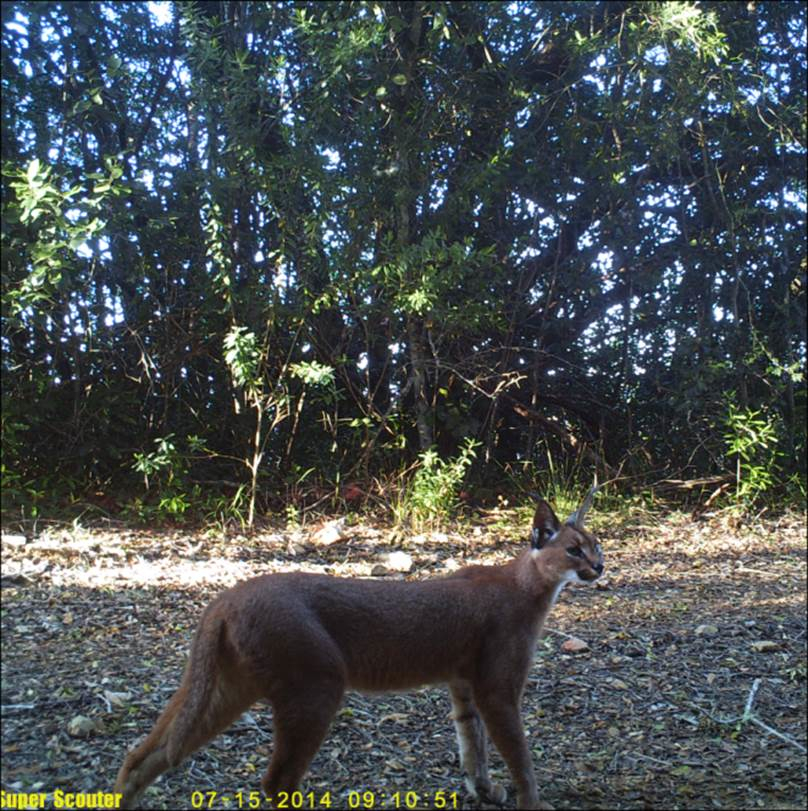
398,561
329,533
574,645
765,646
706,630
80,726
117,699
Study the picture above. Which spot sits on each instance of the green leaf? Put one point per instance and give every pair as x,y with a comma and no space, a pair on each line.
313,373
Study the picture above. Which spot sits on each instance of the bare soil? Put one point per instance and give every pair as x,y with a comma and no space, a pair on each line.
691,694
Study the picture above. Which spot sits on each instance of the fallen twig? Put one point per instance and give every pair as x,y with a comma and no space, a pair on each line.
558,633
780,735
747,713
666,763
748,717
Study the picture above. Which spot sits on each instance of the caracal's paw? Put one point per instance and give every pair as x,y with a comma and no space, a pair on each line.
484,791
492,793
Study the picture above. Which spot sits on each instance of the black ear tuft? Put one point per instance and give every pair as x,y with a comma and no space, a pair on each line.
545,525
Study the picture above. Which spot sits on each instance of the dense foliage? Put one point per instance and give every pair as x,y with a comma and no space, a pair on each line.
248,246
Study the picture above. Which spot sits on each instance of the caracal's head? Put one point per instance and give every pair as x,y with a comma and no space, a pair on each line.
567,551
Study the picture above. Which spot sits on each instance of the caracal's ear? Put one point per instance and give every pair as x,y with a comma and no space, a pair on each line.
577,518
545,525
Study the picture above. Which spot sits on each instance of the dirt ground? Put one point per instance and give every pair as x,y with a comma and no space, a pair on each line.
691,692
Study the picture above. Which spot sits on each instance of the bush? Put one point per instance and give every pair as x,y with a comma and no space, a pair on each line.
431,495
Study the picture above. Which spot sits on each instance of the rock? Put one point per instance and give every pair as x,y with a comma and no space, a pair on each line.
13,540
329,533
706,630
80,726
398,561
118,700
765,646
451,564
574,645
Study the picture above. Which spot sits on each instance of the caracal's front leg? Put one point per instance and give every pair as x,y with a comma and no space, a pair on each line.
473,746
499,707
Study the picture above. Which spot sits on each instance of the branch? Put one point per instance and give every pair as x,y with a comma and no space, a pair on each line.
565,436
749,717
780,735
158,89
747,713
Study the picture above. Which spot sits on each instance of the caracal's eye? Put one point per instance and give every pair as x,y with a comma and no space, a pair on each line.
575,551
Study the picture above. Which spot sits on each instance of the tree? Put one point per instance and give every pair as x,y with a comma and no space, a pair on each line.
333,236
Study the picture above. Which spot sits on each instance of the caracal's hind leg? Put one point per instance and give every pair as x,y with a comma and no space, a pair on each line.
301,717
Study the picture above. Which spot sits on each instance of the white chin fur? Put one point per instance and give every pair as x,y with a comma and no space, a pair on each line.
568,577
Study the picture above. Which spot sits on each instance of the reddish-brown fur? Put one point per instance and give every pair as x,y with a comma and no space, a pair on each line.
300,640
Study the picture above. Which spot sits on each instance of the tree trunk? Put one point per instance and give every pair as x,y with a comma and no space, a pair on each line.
423,421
